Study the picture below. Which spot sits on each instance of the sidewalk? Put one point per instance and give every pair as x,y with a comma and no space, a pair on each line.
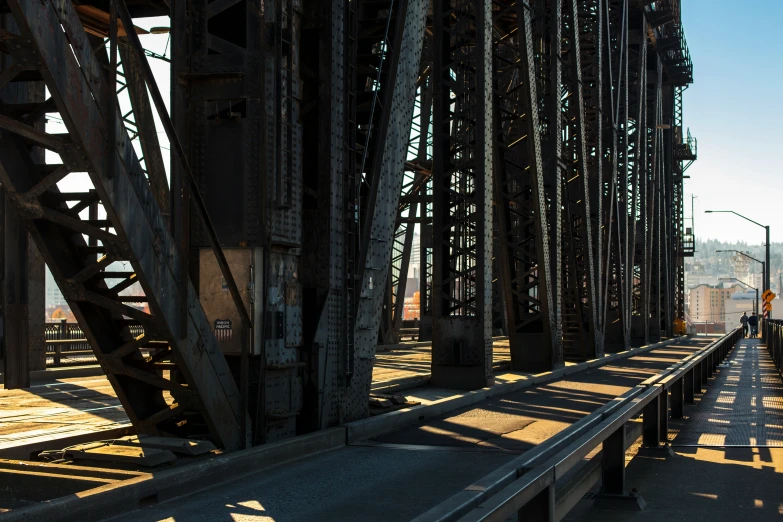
728,461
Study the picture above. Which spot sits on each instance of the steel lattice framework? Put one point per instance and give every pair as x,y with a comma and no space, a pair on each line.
535,147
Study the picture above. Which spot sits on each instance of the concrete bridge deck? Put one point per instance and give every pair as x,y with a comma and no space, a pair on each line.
397,476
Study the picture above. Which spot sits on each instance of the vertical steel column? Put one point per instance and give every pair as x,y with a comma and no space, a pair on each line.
21,266
667,216
655,203
462,188
526,252
637,172
579,250
327,51
547,36
16,328
617,327
591,50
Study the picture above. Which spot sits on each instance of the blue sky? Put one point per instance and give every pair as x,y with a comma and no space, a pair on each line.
734,111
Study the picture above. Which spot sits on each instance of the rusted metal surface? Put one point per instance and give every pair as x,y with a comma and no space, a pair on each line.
208,405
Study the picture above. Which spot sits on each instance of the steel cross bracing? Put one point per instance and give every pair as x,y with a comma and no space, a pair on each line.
462,188
579,277
199,397
524,259
635,184
140,122
564,113
591,15
617,247
412,208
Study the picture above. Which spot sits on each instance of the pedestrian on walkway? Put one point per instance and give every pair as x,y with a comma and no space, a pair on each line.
753,322
744,322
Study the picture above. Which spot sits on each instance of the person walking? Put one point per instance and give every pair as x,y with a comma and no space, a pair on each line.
753,322
744,322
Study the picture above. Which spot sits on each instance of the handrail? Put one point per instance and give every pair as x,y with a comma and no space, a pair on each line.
532,476
773,333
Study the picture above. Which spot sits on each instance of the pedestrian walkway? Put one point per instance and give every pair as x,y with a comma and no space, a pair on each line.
727,463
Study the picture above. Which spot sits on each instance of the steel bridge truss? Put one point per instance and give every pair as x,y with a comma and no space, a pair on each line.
536,147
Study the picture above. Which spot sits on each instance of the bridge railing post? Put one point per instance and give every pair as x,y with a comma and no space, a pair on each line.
663,416
651,423
613,463
688,386
541,508
705,372
677,398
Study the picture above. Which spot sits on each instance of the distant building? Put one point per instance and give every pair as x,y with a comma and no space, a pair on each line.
54,298
693,280
709,303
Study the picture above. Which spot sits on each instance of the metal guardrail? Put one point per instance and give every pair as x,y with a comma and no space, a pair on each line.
65,339
773,335
528,482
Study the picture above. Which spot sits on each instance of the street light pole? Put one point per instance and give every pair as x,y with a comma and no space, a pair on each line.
765,227
767,265
743,283
764,275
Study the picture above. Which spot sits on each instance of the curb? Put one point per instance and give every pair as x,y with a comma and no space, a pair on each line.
24,450
372,427
53,374
121,497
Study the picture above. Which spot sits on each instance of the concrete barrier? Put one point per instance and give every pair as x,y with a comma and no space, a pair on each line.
112,499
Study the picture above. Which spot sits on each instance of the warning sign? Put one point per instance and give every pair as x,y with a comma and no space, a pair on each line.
768,295
224,331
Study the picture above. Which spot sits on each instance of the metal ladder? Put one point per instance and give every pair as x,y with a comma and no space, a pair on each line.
181,384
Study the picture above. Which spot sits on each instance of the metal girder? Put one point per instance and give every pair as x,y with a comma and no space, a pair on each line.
412,208
580,272
462,188
655,193
616,311
526,251
678,194
591,14
636,178
330,243
385,91
547,37
22,269
145,127
201,398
